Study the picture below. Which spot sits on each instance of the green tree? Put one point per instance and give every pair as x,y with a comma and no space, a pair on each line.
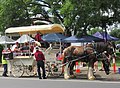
115,33
20,12
94,30
78,16
82,15
14,13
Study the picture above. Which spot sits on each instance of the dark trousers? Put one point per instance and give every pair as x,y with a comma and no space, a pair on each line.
5,69
40,64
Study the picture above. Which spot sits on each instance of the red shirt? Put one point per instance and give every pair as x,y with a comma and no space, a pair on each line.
39,55
38,37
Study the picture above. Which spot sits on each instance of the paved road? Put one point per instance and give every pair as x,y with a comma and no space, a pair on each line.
55,83
100,75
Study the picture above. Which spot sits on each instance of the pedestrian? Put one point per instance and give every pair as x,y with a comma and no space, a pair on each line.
39,57
5,56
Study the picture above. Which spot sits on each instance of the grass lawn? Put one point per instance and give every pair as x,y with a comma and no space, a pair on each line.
118,58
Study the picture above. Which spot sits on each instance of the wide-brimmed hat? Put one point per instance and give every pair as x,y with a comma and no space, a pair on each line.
38,43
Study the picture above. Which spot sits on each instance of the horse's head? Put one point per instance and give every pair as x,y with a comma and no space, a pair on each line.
107,49
111,55
110,49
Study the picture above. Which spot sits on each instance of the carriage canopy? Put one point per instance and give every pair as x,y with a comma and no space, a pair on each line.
52,28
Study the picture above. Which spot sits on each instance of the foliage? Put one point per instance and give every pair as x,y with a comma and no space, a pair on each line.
115,33
82,15
94,30
14,13
78,16
19,12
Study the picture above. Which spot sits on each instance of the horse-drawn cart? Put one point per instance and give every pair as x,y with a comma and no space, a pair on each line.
20,65
25,64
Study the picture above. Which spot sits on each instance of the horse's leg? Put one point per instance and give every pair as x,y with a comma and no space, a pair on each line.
90,69
71,69
67,71
106,64
66,68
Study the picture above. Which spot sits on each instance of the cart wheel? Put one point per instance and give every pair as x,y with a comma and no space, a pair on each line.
30,70
47,70
17,69
56,69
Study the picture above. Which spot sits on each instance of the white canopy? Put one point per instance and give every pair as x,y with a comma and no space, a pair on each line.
24,38
52,28
6,40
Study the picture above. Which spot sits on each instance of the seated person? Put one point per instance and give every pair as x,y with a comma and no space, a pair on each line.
25,49
15,48
32,45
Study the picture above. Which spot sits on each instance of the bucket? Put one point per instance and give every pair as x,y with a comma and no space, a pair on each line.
119,70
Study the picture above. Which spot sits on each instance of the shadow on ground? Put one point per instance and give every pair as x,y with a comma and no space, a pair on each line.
80,77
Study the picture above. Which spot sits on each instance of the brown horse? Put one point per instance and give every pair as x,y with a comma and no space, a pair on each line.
88,53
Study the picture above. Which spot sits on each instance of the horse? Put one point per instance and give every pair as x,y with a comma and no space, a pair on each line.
89,54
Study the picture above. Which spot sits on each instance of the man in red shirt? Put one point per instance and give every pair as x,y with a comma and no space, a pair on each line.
38,37
39,57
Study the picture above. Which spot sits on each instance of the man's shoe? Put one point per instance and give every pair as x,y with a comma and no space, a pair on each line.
5,75
44,78
40,78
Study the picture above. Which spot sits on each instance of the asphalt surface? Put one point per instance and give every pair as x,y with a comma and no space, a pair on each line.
10,82
100,75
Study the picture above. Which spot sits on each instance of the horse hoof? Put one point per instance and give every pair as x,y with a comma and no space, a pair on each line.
91,78
66,77
107,73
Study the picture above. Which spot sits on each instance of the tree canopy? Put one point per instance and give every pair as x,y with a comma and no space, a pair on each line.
78,16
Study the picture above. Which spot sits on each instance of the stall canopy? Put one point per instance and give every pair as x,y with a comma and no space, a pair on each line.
53,37
6,40
103,35
90,38
24,38
87,38
71,39
51,28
